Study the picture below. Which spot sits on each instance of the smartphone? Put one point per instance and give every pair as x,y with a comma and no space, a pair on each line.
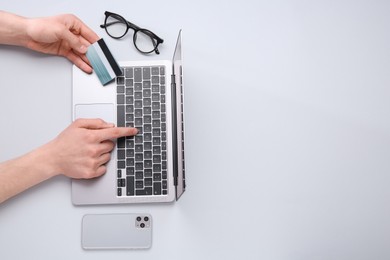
116,231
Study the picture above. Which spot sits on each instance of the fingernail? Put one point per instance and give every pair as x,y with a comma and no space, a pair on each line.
135,131
83,48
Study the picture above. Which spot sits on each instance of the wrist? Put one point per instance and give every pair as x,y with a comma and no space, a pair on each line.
43,159
13,29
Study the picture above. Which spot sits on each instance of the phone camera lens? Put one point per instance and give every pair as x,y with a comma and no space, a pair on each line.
142,225
146,218
139,218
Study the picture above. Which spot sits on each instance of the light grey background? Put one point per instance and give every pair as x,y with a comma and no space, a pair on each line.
287,126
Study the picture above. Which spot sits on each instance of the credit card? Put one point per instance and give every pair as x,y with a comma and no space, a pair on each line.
102,61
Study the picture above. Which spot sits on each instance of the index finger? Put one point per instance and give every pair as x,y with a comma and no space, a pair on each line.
87,33
116,132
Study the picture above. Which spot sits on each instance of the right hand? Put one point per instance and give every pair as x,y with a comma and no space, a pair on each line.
82,150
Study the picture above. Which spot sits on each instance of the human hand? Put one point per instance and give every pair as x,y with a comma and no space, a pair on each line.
64,35
82,150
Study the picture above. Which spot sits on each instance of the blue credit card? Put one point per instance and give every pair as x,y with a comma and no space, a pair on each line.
102,61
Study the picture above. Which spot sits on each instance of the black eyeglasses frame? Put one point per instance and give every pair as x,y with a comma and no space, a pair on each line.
155,39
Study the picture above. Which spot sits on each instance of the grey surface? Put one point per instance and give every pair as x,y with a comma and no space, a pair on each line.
287,127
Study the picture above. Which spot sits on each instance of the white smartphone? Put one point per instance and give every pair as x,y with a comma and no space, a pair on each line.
116,231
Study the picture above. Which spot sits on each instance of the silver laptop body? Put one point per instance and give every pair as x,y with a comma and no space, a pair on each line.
134,179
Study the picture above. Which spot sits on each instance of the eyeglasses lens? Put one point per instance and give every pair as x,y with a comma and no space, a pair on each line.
144,42
115,26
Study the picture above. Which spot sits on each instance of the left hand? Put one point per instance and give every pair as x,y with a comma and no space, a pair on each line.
64,35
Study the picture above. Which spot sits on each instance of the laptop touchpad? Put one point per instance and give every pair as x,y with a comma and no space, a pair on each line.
102,111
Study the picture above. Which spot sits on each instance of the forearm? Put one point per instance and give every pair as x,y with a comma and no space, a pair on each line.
24,172
13,29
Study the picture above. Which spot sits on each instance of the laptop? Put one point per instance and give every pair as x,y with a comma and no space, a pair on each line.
148,167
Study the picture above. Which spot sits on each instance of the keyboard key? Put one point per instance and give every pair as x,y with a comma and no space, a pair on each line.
148,146
155,96
137,86
146,73
137,75
155,80
157,188
129,82
156,149
156,140
137,95
121,154
130,171
147,102
129,118
121,142
120,89
148,191
138,104
128,72
148,164
120,99
120,80
147,110
157,159
148,155
139,184
138,122
138,112
138,139
129,143
129,100
121,164
147,119
130,186
156,106
139,166
139,148
130,162
148,182
147,93
146,84
139,175
148,137
147,127
148,172
156,115
156,168
129,109
155,71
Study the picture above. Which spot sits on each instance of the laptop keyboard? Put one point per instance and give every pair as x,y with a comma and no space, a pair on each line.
142,159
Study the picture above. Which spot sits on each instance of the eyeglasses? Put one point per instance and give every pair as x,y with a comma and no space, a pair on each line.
144,40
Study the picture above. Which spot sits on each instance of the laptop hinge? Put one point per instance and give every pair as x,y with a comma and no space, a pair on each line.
174,130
